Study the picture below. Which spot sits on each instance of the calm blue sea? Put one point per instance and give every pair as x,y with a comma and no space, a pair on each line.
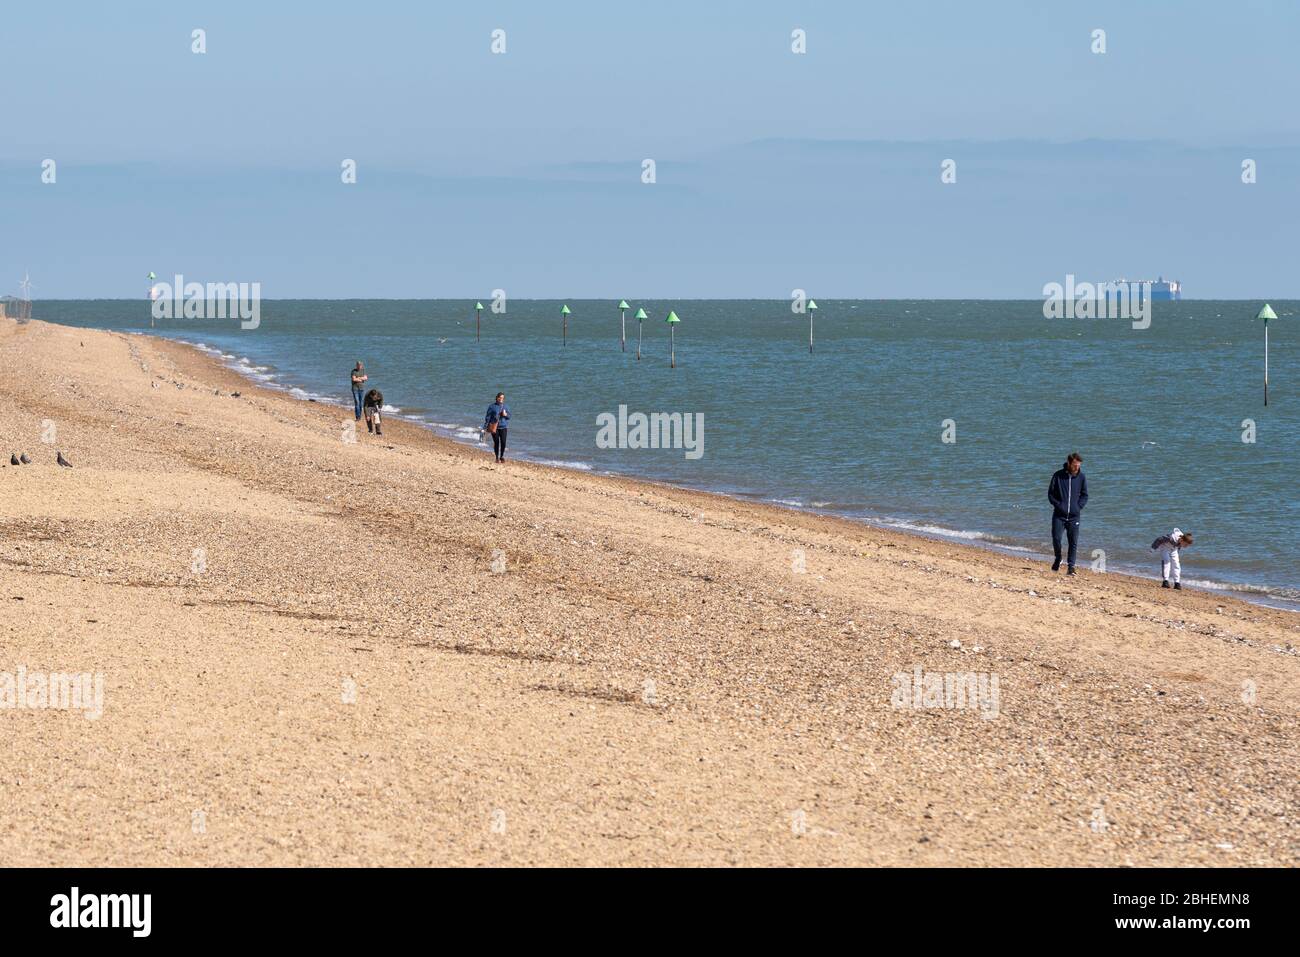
856,428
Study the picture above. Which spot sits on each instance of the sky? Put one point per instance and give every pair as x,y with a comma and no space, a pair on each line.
523,170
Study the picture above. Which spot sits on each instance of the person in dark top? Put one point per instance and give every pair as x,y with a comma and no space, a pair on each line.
497,421
359,378
373,403
1068,493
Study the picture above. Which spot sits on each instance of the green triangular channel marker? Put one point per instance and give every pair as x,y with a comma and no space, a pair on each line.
1266,313
640,314
564,311
812,303
623,304
478,306
672,317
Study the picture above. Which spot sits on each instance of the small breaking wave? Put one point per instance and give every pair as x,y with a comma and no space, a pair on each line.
561,464
938,530
1289,596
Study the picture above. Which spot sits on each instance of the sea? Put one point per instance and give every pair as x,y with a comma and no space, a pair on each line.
941,417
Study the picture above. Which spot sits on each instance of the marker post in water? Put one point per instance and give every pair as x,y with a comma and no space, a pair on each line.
812,307
1266,314
478,314
672,321
564,313
623,307
153,294
640,318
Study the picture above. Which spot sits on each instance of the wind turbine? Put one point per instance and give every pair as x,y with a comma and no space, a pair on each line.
26,286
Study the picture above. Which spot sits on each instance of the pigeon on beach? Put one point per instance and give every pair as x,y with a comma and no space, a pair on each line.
58,457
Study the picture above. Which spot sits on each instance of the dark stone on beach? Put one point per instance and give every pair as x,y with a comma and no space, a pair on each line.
234,395
13,459
24,459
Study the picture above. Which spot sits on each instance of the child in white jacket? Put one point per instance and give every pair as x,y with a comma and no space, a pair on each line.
1168,547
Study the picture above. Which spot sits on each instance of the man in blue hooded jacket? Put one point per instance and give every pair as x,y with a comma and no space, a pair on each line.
1068,493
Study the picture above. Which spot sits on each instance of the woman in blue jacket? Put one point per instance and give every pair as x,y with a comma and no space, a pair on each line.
498,414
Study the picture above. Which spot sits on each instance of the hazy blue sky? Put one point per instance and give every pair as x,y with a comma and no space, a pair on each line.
775,170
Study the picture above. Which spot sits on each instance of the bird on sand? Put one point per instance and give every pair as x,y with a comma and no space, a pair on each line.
13,459
24,459
58,457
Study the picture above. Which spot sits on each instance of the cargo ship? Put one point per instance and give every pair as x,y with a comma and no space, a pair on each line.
1159,289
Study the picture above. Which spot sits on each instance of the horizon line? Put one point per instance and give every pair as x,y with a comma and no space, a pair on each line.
655,298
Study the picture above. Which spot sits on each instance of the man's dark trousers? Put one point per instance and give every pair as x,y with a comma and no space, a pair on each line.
1070,526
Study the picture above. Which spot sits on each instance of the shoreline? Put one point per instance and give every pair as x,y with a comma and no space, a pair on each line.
395,653
1012,553
931,530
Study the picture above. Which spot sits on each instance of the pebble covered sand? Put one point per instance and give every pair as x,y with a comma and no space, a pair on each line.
394,651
